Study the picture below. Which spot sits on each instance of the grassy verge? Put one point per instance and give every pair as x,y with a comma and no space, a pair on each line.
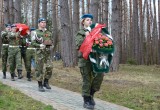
135,87
11,99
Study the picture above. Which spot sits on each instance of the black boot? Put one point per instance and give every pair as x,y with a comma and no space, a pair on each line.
15,75
46,84
87,102
4,75
12,77
20,74
41,89
29,76
92,95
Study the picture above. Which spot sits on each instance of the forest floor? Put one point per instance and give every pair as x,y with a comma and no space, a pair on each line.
134,86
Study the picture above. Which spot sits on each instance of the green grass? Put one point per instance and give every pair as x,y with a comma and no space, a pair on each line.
133,86
11,99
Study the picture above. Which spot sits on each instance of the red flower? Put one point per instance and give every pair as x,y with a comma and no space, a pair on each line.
101,45
106,44
97,42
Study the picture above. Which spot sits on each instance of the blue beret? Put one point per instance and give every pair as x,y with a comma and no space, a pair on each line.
13,25
41,19
7,25
87,16
32,29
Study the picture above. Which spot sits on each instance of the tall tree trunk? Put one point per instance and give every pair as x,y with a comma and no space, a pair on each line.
159,31
94,9
88,6
44,9
37,2
155,36
130,54
148,43
116,32
135,31
83,8
11,11
105,12
17,11
6,12
75,28
54,24
33,13
66,43
1,23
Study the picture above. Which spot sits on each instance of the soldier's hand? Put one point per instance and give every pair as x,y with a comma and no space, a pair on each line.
42,46
87,33
28,32
20,29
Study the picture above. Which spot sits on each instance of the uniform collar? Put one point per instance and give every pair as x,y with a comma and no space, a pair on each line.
42,30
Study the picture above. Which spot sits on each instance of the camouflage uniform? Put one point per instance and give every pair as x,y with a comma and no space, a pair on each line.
5,41
42,55
23,48
30,54
14,54
91,82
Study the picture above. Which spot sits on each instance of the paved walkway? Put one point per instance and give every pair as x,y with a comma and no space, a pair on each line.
59,98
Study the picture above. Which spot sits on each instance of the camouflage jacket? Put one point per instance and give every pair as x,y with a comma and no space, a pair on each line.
14,38
79,40
23,40
39,36
5,38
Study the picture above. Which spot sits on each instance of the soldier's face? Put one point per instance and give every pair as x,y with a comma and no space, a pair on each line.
42,24
13,29
8,28
87,22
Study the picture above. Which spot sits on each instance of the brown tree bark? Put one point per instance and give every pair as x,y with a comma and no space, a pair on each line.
83,8
75,28
116,32
54,22
33,13
94,9
17,11
66,42
88,6
44,9
135,34
11,11
37,2
6,12
105,12
159,31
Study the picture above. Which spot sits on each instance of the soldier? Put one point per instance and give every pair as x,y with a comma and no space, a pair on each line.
30,55
23,48
14,55
5,41
41,39
91,83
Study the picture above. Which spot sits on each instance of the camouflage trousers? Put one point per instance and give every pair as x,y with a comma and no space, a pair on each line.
23,55
30,54
43,60
4,57
14,58
90,79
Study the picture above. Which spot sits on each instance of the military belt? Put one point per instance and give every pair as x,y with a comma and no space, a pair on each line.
22,46
13,46
32,48
5,44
